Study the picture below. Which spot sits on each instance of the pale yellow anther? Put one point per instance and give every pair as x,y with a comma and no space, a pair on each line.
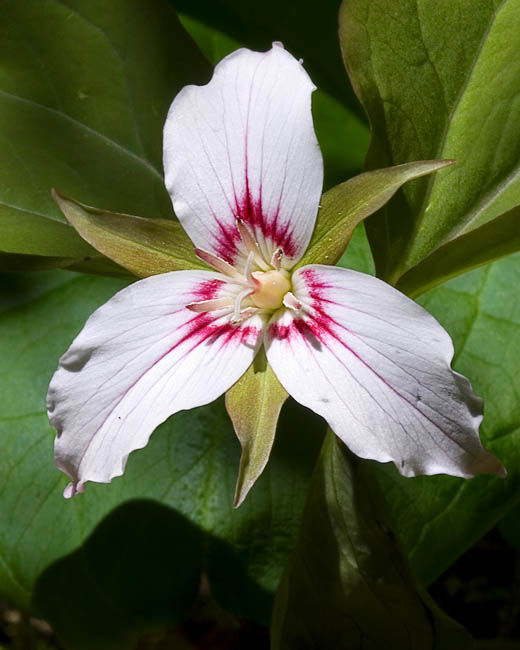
271,288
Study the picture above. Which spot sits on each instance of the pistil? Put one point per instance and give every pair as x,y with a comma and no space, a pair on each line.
271,288
263,290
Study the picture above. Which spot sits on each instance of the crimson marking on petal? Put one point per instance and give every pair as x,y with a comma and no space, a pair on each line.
206,290
201,328
228,332
282,332
227,242
312,328
250,210
314,283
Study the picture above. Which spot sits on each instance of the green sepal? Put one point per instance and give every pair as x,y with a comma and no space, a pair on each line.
348,585
142,246
254,405
344,206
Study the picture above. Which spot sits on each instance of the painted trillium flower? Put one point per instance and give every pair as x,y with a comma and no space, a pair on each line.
245,173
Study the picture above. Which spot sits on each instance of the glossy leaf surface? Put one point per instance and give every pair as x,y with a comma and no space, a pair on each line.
438,80
347,585
84,112
495,239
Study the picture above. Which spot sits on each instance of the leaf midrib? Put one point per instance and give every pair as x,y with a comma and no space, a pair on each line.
81,125
447,127
117,54
32,212
487,201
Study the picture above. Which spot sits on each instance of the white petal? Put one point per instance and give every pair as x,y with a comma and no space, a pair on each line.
244,145
376,366
140,358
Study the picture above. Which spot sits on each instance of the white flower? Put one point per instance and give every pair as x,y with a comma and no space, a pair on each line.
245,173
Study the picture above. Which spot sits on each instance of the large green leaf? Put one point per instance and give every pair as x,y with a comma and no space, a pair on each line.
348,586
84,91
438,80
126,558
440,517
96,264
495,239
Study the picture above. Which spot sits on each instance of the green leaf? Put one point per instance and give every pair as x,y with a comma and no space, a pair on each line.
129,555
342,134
11,262
510,528
254,405
98,265
84,92
348,585
143,246
491,241
37,235
482,313
438,80
349,203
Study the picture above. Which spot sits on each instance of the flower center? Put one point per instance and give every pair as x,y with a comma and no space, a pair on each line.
257,291
270,288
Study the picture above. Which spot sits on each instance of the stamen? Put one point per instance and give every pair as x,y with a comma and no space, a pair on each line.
238,302
291,302
210,305
218,263
250,243
244,315
252,281
276,259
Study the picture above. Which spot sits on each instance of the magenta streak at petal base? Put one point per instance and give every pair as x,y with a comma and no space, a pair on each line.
263,226
206,290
